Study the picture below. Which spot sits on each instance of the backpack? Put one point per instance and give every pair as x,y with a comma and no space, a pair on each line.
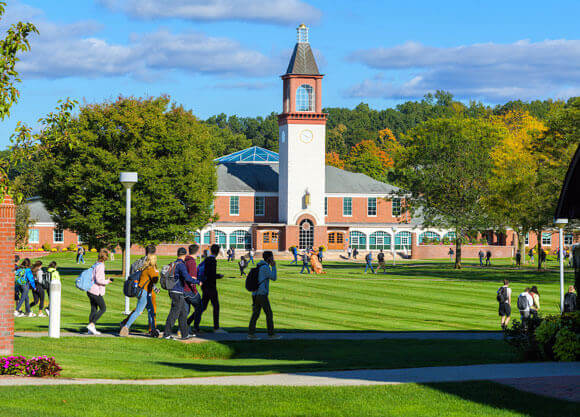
201,271
502,295
85,280
168,279
523,302
46,279
569,302
252,282
137,265
20,276
131,286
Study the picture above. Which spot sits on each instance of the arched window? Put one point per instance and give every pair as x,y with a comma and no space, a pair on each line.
306,234
304,98
240,239
380,240
403,241
219,237
451,236
197,237
358,240
431,236
207,238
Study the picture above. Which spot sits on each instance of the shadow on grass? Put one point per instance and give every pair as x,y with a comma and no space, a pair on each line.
502,397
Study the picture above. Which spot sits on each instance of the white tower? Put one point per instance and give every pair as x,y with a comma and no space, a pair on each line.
302,136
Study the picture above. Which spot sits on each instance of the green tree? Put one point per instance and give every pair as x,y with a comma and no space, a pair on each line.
15,41
166,145
445,165
23,222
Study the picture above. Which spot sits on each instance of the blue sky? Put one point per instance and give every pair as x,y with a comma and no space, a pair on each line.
218,56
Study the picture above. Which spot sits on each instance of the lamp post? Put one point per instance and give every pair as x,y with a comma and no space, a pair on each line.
561,223
128,179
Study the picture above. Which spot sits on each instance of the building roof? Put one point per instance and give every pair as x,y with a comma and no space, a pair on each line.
251,177
302,61
38,212
254,154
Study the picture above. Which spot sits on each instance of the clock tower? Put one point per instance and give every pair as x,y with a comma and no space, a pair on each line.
302,136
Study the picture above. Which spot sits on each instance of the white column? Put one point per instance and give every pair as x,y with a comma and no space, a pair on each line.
54,311
561,269
127,245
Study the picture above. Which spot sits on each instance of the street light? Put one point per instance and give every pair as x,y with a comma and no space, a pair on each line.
561,223
128,179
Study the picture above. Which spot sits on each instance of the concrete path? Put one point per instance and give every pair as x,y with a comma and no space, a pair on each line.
342,378
204,337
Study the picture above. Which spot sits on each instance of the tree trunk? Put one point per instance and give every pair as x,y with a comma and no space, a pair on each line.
123,262
539,246
522,246
457,251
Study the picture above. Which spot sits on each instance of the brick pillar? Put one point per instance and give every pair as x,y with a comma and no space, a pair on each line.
414,252
7,242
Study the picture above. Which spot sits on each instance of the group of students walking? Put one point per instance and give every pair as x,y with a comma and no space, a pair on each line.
187,279
528,303
32,278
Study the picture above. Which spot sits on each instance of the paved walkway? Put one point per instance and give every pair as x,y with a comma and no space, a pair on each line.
342,378
204,337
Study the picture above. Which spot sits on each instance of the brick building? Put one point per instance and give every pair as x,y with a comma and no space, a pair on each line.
272,201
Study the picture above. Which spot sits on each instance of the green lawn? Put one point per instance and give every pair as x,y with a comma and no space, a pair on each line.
416,296
139,358
449,399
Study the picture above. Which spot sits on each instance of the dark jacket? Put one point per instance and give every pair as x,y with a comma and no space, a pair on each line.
570,301
181,273
191,266
210,273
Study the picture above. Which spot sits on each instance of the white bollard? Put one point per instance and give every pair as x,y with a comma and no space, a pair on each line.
54,310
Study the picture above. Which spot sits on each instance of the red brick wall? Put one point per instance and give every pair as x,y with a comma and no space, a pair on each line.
359,211
6,276
467,251
45,235
222,209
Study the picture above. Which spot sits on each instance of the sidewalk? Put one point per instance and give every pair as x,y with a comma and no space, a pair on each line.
229,337
496,373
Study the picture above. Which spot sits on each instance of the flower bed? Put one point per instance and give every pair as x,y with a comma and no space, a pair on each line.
41,366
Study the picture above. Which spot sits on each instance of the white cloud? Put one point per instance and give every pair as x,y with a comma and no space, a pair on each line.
76,50
492,72
264,11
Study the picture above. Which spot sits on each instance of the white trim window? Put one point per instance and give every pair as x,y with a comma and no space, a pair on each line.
372,206
305,98
57,236
33,236
568,238
260,206
347,206
396,207
546,239
234,205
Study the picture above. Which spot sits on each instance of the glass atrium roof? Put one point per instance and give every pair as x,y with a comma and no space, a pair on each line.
255,154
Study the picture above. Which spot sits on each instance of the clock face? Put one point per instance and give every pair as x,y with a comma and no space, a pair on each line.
283,136
306,136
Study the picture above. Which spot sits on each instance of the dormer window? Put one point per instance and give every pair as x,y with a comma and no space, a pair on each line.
305,98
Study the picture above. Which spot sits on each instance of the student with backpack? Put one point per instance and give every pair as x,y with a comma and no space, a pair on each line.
80,255
209,287
252,253
25,281
96,293
481,256
354,253
178,311
192,297
535,301
41,287
381,260
369,263
266,272
242,264
488,258
147,280
525,301
305,263
295,255
570,300
138,265
504,298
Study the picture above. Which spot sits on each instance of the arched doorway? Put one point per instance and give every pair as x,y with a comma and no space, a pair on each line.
306,234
